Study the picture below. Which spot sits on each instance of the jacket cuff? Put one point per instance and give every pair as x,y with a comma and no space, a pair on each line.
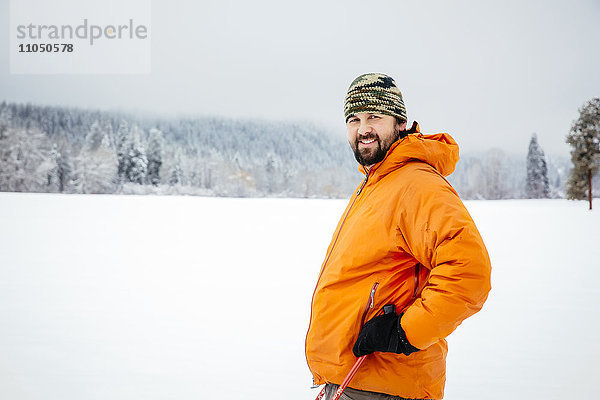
404,345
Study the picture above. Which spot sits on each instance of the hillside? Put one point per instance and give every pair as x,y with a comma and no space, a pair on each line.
68,150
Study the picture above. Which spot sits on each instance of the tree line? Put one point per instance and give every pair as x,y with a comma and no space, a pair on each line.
69,150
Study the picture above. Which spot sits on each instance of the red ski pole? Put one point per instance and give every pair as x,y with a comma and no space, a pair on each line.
347,379
338,393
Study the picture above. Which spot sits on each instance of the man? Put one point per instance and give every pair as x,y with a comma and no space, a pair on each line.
405,240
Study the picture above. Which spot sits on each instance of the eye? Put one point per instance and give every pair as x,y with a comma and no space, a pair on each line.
374,116
354,119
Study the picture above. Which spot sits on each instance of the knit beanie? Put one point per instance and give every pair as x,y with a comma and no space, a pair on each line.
375,93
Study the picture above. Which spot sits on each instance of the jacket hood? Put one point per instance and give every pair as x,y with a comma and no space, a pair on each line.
439,150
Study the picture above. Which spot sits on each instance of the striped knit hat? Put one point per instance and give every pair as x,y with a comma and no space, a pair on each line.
376,93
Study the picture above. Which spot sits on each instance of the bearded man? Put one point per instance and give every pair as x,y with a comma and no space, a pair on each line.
406,257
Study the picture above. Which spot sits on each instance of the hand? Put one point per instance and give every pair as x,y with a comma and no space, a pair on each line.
383,333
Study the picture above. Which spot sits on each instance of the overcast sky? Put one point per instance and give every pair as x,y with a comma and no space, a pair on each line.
490,74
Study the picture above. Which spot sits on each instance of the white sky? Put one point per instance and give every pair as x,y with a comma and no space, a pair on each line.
488,73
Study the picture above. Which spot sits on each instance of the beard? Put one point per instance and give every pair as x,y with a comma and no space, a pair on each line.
370,156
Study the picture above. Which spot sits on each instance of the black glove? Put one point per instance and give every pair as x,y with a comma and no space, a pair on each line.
383,333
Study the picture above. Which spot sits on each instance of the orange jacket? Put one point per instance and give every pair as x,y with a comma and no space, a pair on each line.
405,238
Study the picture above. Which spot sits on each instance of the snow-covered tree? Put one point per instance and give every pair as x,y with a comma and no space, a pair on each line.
176,177
66,171
123,141
95,136
584,139
155,156
496,174
54,173
270,174
5,116
138,162
537,185
96,164
24,160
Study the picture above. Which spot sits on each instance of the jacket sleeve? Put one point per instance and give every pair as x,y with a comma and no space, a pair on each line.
441,235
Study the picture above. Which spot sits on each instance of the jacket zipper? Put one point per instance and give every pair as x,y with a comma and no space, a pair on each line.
362,185
364,182
338,235
336,239
369,304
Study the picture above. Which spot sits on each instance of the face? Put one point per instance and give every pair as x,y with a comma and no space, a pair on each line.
371,135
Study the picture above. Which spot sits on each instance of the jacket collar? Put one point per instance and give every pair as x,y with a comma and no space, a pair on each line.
438,150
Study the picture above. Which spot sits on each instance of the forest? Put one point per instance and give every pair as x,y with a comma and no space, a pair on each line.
68,150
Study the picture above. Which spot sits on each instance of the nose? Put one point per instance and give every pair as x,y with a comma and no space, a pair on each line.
364,128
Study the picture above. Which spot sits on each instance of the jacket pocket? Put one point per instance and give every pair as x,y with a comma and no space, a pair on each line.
370,303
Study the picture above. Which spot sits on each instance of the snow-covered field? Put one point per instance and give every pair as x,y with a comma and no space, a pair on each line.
133,297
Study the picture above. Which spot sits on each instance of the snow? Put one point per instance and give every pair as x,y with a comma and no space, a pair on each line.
131,297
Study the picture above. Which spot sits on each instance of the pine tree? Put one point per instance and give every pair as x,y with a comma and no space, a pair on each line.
176,177
67,181
123,144
53,183
270,174
537,185
138,162
584,139
94,138
24,160
155,155
5,119
97,163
